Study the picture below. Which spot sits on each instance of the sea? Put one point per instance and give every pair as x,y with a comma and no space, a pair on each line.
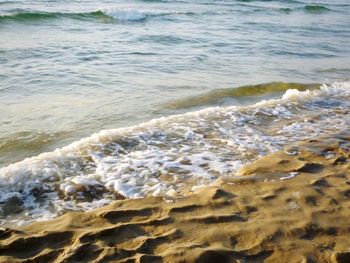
102,100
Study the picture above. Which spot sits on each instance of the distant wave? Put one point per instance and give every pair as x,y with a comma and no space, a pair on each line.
313,8
41,15
309,7
256,7
113,13
126,14
110,14
316,8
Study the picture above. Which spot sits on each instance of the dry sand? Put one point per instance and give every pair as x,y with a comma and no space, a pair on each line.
252,217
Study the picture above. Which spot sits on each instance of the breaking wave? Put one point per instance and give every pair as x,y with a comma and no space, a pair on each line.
105,13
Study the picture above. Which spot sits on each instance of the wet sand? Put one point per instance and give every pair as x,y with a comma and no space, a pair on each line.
290,206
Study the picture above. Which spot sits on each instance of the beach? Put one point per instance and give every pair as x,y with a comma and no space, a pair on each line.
174,131
290,206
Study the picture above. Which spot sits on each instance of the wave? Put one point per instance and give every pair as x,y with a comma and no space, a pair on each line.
123,15
39,15
213,97
169,156
102,14
314,8
310,8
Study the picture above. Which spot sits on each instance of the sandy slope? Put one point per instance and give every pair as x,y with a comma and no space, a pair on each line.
253,217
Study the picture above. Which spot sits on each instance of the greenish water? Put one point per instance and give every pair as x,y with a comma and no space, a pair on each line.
239,95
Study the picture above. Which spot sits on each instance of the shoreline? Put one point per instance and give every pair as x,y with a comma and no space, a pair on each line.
253,217
170,156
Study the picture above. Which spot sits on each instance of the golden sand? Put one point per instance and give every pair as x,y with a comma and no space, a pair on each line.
251,217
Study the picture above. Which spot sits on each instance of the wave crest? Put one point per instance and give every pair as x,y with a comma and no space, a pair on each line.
214,97
125,14
103,13
316,8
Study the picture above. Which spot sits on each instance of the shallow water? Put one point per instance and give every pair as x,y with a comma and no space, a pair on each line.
70,69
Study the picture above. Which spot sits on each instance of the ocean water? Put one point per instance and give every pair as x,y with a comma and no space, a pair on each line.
106,98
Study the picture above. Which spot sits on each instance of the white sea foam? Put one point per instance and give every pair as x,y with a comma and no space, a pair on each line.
125,14
129,14
290,176
168,156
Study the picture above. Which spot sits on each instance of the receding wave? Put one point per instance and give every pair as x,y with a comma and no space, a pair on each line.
103,14
216,96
